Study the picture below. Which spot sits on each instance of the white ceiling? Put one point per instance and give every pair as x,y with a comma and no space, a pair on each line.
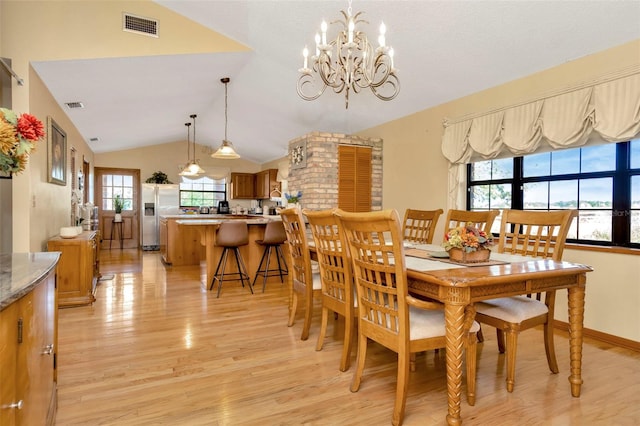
444,50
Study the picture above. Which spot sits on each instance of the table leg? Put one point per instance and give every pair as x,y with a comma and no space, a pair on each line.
576,318
454,328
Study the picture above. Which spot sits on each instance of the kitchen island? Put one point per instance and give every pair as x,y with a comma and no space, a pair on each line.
190,239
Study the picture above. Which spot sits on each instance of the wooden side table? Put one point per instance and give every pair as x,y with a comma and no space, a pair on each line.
116,227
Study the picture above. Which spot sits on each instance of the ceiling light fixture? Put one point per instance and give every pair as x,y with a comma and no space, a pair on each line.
226,150
192,168
349,62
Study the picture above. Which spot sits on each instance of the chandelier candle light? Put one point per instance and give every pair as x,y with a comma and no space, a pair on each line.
349,62
226,150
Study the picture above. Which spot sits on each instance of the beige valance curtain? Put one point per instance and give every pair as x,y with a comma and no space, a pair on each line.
609,110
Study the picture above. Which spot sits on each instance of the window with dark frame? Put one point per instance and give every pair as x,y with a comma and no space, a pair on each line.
601,181
202,191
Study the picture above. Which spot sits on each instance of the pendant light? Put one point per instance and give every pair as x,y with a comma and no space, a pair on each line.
192,168
226,150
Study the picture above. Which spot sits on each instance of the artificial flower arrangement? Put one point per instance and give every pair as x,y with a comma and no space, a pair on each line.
18,135
293,198
468,244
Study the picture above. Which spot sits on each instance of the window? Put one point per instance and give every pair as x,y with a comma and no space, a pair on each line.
602,182
202,191
113,185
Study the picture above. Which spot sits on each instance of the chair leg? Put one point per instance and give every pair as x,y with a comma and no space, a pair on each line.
323,328
500,336
308,313
511,349
266,270
550,347
362,354
480,335
412,361
401,389
471,366
242,269
264,254
346,345
282,264
222,265
293,307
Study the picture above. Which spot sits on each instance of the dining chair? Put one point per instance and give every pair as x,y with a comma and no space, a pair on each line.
338,291
539,234
387,314
301,278
420,225
483,220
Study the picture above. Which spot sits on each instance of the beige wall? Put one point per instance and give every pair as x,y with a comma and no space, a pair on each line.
415,175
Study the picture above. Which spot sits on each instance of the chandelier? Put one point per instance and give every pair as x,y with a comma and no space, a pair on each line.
192,168
226,150
348,62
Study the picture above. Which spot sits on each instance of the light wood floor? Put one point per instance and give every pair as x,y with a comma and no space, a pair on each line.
157,348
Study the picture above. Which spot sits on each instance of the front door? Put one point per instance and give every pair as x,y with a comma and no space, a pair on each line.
111,182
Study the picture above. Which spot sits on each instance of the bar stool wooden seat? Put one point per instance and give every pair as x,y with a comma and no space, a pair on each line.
274,237
231,236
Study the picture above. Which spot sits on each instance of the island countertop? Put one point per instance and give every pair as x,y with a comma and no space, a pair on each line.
20,272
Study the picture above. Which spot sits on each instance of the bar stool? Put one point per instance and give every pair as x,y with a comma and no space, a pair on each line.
274,236
231,235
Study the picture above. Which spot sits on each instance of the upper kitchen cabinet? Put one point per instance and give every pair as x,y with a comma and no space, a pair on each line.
243,185
266,183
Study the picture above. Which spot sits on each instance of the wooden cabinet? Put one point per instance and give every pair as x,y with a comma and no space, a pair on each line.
266,182
180,245
243,185
27,357
78,269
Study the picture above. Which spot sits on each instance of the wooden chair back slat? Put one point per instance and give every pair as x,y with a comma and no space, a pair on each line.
420,225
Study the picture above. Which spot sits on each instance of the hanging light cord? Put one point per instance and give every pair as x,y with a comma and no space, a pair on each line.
188,143
193,117
225,110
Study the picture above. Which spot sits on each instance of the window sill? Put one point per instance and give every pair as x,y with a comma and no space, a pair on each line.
603,249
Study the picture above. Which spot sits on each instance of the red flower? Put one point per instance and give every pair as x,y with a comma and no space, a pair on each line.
30,128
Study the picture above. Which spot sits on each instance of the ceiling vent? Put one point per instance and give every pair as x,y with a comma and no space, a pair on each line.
73,105
139,25
94,140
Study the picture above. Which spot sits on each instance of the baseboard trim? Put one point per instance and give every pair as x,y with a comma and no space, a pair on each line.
603,337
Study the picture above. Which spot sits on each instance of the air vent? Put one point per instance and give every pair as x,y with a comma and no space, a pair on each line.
140,25
94,140
73,105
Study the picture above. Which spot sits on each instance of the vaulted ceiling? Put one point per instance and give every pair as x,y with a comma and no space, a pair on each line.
444,50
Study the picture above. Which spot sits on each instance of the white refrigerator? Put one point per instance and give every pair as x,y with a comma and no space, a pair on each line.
157,200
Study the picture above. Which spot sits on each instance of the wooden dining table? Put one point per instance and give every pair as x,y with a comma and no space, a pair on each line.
459,286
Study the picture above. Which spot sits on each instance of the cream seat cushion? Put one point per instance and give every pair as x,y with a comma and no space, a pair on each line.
512,309
426,324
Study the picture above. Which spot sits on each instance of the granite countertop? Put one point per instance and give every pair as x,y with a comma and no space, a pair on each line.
20,272
216,221
220,216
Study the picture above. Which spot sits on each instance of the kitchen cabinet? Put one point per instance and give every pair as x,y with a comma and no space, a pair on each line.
78,269
179,245
27,356
266,183
243,185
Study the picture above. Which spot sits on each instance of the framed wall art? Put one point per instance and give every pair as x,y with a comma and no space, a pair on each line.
57,153
299,155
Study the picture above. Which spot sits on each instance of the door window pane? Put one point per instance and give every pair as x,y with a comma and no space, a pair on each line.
635,192
596,193
114,185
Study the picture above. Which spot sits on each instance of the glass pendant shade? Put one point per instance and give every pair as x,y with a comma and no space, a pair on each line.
226,150
192,168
